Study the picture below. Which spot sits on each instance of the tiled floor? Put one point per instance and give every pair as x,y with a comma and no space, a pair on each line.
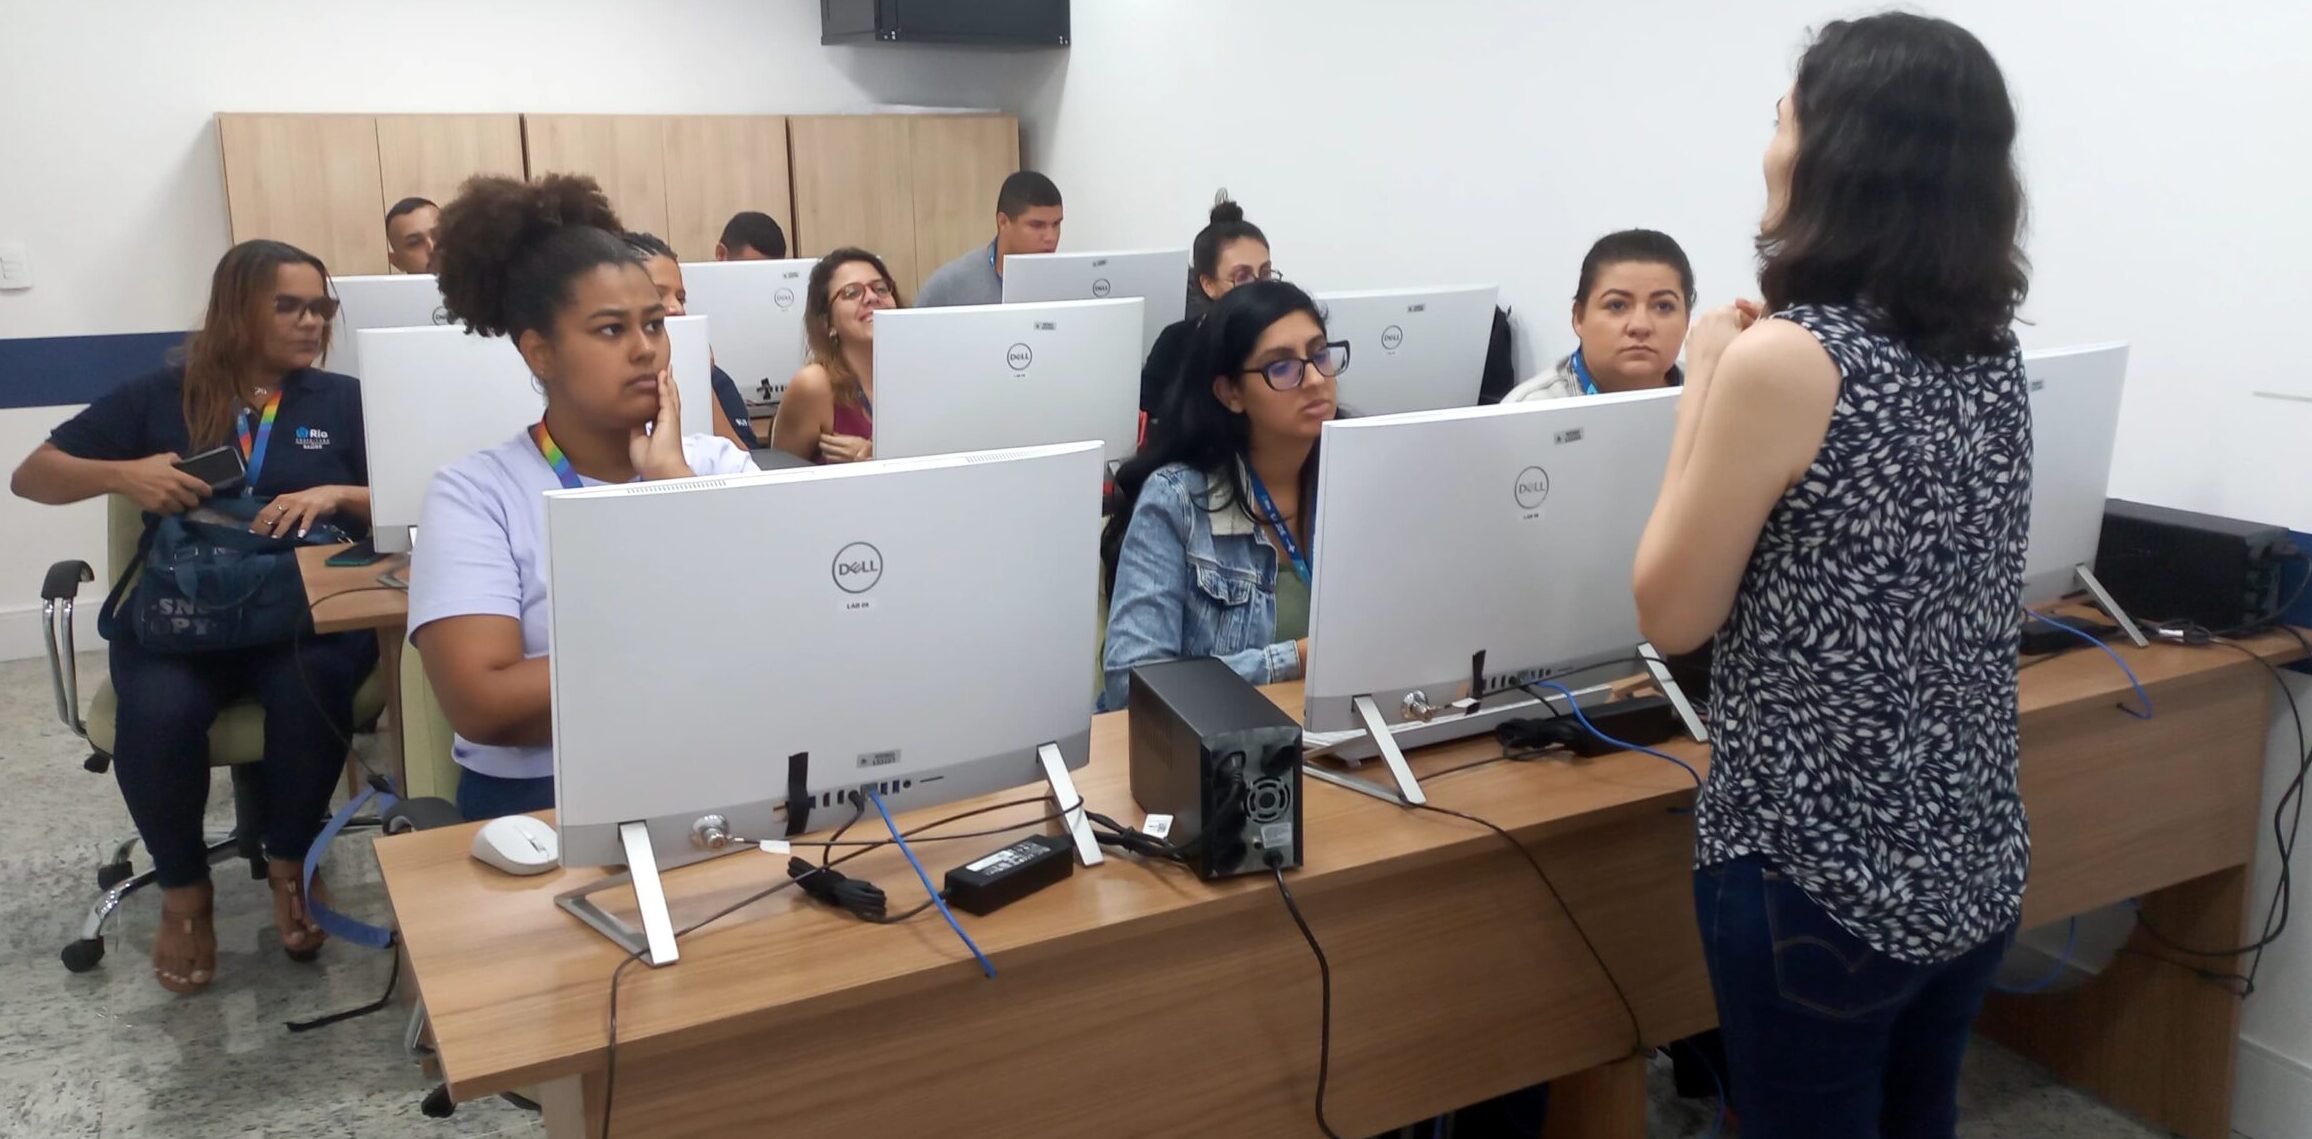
108,1053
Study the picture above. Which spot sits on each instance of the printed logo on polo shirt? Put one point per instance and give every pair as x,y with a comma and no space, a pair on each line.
312,438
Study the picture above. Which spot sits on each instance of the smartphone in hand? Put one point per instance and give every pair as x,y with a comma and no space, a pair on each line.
220,467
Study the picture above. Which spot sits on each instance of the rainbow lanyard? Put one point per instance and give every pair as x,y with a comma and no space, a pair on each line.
1581,372
253,447
554,457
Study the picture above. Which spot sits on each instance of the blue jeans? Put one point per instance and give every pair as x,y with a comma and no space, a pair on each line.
495,796
160,753
1826,1037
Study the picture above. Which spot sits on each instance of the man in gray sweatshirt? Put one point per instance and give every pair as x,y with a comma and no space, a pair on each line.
1027,220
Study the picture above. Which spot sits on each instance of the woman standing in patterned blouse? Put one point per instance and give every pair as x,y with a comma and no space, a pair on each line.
1845,509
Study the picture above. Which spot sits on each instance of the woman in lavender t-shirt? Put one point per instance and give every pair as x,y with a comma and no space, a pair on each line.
543,265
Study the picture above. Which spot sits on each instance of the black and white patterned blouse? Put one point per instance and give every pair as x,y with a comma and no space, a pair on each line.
1863,697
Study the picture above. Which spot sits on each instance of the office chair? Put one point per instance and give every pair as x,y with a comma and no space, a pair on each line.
236,740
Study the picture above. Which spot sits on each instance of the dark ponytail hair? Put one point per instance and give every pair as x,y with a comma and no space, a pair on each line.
1227,225
510,249
1904,199
1194,428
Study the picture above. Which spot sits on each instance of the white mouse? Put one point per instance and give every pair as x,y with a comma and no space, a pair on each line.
518,844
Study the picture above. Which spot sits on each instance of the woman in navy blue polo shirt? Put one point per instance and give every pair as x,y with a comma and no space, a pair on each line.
246,379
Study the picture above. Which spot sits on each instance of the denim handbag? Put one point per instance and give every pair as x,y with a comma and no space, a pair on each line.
205,582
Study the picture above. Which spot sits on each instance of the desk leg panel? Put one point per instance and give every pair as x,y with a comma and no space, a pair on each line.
1451,985
2150,1034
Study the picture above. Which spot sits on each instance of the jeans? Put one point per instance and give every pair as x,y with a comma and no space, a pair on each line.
161,746
495,796
1826,1037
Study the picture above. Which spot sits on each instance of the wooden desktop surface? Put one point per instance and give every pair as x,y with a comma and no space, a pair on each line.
1138,989
347,598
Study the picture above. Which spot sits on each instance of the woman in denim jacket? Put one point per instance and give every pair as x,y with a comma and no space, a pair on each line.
1206,550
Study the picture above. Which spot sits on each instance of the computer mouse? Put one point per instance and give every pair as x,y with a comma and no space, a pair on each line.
518,844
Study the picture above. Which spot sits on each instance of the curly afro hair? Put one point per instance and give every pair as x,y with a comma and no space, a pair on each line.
509,249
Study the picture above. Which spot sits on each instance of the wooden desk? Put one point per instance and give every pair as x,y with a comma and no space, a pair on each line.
347,599
1135,999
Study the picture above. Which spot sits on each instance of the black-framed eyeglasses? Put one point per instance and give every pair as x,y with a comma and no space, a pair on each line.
853,291
1289,373
1246,274
323,308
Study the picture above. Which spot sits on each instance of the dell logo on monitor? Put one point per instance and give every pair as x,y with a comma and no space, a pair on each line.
858,567
1019,356
1101,288
1532,488
441,314
1391,337
784,298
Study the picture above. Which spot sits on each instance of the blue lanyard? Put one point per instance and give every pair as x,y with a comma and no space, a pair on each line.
1292,550
1581,372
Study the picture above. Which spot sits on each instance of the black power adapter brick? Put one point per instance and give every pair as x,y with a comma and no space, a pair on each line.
987,884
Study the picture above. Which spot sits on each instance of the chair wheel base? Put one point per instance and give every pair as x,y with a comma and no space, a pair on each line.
112,875
83,955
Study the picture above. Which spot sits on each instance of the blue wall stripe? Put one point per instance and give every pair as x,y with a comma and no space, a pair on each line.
62,371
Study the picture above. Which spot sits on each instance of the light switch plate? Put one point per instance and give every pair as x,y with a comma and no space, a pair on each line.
15,266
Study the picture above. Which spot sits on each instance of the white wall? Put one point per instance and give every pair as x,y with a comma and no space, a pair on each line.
110,173
1383,143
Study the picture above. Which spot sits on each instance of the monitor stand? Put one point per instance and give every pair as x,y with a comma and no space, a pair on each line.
1474,717
1408,792
654,942
2103,597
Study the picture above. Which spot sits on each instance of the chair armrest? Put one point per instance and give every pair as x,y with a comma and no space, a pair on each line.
421,815
64,581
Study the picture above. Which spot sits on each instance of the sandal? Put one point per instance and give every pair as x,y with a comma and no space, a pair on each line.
185,945
300,938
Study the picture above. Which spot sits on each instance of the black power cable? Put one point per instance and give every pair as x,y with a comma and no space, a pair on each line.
2287,821
1637,1031
1325,987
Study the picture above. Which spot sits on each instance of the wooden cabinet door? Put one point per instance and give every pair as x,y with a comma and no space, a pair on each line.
429,156
855,185
309,180
626,153
719,165
959,162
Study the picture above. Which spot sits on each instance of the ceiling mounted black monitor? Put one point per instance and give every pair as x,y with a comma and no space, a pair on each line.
984,23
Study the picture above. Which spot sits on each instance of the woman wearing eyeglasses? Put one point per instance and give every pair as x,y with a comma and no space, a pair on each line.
246,380
1229,251
1207,546
828,414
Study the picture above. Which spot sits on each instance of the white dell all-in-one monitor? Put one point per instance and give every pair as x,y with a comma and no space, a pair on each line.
2075,396
1463,554
365,303
949,608
983,377
1411,349
757,309
1157,276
